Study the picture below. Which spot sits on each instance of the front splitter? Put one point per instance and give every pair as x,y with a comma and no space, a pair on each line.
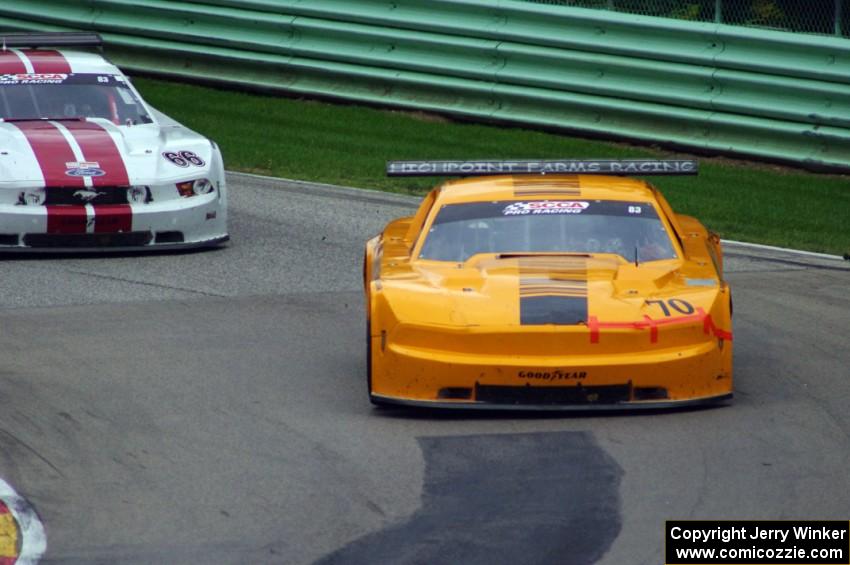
618,407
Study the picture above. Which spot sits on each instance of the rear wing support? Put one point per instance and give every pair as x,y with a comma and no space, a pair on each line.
629,167
50,39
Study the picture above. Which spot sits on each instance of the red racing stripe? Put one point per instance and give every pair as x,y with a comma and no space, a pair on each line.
47,61
113,218
66,219
10,63
52,152
97,145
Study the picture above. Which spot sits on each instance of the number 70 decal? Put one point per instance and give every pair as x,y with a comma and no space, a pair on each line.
677,304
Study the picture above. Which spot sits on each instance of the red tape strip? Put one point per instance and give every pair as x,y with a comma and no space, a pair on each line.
594,325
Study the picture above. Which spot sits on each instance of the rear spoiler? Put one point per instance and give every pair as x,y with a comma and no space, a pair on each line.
51,39
541,167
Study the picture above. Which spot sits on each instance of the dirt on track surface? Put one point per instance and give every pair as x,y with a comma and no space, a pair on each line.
211,407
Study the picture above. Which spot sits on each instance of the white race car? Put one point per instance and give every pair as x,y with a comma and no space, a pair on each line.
87,165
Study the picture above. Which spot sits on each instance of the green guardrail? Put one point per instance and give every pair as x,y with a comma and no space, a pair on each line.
827,17
708,87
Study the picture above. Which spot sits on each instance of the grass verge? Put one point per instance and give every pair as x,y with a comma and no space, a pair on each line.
349,145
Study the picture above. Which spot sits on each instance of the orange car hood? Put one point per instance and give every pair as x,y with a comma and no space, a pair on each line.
511,289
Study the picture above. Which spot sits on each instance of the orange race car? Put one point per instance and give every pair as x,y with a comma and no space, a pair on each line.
547,285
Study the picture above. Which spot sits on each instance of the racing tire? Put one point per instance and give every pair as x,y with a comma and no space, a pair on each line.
369,358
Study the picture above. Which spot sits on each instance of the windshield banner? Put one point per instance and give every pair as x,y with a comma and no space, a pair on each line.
16,79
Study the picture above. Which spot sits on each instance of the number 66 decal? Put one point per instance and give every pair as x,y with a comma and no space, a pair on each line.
184,158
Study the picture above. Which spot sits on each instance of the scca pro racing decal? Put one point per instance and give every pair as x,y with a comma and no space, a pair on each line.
525,209
537,207
33,78
184,158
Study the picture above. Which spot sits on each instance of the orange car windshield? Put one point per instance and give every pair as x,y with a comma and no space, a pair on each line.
628,229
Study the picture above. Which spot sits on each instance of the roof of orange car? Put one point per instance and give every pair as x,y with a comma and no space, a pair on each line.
545,187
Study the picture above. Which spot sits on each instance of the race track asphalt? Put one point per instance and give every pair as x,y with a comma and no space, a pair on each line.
210,407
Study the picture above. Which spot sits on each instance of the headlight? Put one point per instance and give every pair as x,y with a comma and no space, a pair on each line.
137,194
202,186
32,197
196,187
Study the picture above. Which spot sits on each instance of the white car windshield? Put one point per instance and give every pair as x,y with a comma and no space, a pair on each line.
69,96
631,230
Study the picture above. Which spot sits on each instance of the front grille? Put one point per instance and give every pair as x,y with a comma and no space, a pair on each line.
169,237
97,195
455,393
9,238
651,393
603,394
123,239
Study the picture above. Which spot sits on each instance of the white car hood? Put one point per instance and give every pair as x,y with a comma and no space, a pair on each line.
96,152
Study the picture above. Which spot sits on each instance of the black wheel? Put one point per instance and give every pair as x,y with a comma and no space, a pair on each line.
369,359
372,399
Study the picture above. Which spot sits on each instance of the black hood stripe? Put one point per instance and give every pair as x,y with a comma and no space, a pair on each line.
542,188
559,310
553,291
